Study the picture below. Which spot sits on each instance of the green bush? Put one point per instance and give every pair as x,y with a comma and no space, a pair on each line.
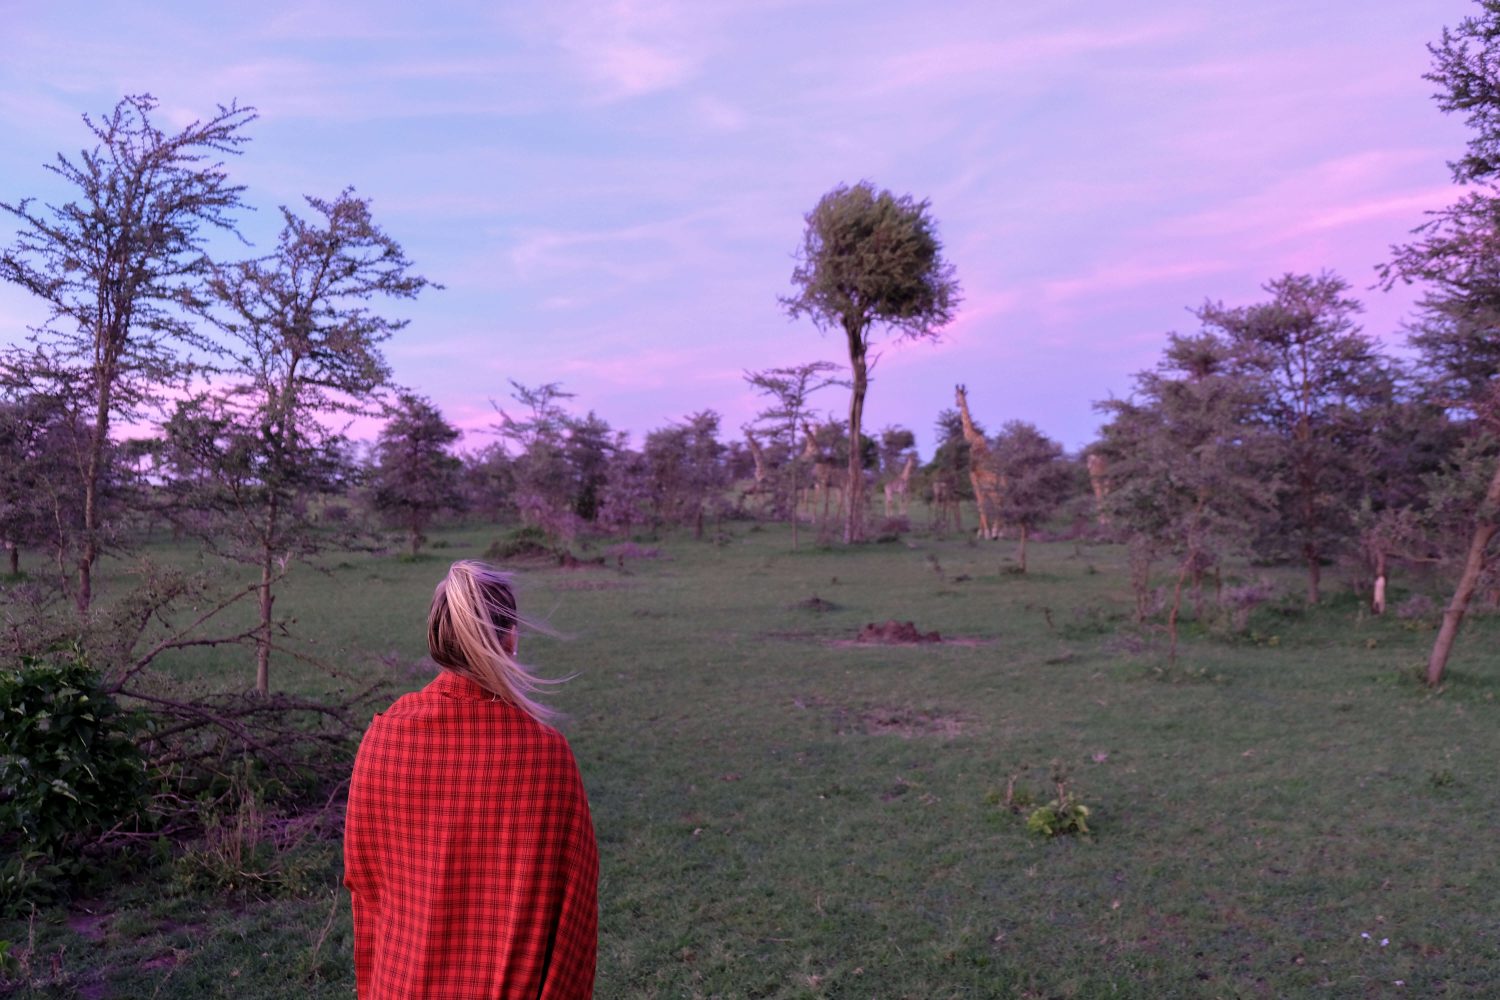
1061,815
522,543
70,766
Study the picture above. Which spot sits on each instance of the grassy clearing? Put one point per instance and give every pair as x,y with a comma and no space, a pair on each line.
782,814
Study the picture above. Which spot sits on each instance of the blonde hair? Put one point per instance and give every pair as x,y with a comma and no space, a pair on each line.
473,613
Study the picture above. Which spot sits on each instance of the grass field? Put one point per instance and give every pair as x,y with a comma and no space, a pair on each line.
780,813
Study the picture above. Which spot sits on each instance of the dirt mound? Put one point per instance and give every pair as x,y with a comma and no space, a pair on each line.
815,604
896,633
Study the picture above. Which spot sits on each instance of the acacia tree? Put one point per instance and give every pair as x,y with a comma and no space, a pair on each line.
685,470
1457,252
1187,465
896,442
1406,445
588,444
120,269
306,348
416,477
541,473
1316,371
41,441
790,390
1035,479
489,481
626,499
870,260
1458,340
948,479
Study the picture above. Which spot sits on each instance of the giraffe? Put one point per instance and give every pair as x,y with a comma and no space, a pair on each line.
895,488
757,453
981,471
1098,479
826,477
810,458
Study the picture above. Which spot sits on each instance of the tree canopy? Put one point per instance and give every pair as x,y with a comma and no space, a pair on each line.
870,260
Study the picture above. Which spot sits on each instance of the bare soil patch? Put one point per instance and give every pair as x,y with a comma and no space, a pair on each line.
908,723
87,923
894,633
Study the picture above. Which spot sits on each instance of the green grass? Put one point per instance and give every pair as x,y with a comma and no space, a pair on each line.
782,816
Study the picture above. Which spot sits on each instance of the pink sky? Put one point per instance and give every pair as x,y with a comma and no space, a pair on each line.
612,192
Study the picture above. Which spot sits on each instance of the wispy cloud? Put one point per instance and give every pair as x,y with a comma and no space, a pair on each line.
982,61
631,48
1124,276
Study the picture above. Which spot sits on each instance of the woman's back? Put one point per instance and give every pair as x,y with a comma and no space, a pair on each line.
469,852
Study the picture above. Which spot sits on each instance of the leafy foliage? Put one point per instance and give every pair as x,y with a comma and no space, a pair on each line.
121,269
416,477
1188,463
1315,373
1466,69
70,769
1059,816
1035,478
71,766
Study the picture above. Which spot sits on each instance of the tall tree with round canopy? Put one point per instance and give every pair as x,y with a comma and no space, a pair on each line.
870,261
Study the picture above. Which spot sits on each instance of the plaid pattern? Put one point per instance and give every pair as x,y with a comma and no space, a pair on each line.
469,853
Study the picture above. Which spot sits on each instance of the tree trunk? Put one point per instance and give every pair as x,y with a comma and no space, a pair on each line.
1484,532
267,599
416,539
854,528
1314,573
1182,576
826,488
1377,603
1140,583
90,552
263,634
13,554
1024,533
796,503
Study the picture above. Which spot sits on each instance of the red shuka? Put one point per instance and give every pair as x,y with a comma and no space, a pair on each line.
469,853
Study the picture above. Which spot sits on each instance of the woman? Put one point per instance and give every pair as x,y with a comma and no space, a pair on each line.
468,848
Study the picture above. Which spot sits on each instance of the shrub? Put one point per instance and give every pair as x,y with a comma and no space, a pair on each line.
70,769
522,543
1242,600
70,766
252,849
1061,815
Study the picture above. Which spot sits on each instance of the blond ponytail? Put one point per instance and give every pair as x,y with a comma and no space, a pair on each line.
472,621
